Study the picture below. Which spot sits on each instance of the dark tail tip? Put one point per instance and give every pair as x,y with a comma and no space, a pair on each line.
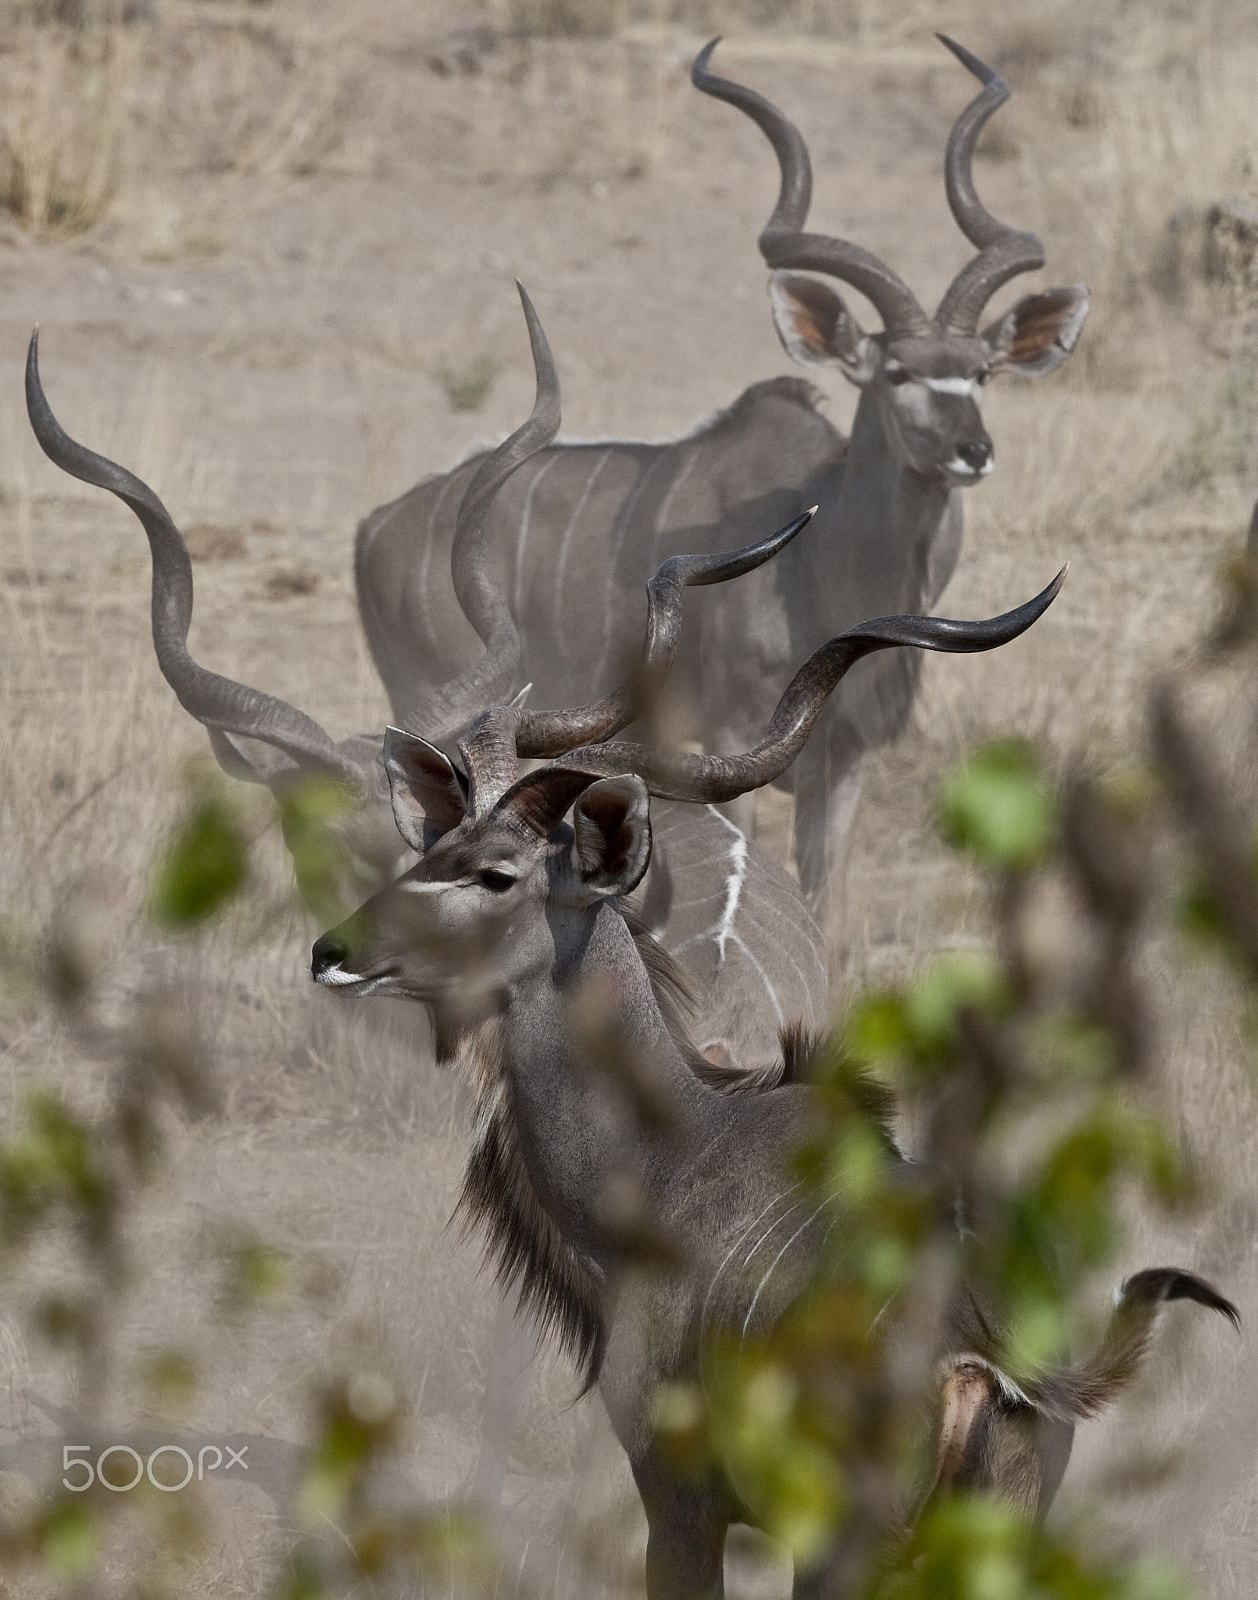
1172,1283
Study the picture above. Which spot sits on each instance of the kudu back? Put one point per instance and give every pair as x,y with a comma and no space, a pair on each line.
753,956
576,532
598,1135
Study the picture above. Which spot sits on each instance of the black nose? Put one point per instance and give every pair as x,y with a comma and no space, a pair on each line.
976,454
328,952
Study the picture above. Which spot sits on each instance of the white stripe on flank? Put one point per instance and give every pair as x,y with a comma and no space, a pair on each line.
764,977
622,519
697,900
522,537
729,1254
425,563
661,520
755,1299
562,564
781,946
733,883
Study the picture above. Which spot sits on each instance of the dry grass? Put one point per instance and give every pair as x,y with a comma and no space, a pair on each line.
66,103
108,120
562,107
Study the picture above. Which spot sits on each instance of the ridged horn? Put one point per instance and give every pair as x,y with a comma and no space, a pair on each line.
498,736
502,734
227,709
491,678
1003,251
783,243
679,775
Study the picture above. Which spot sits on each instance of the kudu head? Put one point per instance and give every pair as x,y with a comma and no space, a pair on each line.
498,894
261,738
923,373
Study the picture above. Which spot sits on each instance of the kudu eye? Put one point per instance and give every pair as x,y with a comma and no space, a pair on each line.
499,882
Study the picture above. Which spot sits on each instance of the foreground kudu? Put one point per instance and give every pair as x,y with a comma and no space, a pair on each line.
595,1129
732,916
575,534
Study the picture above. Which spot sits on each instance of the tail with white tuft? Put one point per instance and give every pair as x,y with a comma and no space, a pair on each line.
1073,1394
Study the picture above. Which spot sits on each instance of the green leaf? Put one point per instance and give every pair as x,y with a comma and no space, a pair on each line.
310,814
69,1540
961,980
876,1031
51,1158
1000,808
204,865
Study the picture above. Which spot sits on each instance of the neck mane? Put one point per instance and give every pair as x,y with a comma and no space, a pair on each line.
558,1286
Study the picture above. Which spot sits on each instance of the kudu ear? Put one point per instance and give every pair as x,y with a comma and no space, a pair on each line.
1035,336
428,792
611,822
817,329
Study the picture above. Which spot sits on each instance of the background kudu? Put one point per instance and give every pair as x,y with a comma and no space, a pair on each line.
732,916
595,1129
574,535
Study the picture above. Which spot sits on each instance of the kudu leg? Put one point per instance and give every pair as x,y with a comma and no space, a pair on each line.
685,1551
827,794
842,1575
842,805
811,793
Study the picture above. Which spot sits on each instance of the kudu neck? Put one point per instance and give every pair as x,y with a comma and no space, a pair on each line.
892,488
601,1092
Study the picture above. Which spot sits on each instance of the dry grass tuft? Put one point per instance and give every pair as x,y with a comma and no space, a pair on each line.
214,541
554,108
565,19
65,101
291,583
105,121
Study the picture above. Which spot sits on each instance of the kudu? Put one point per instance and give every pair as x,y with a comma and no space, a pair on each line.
753,954
574,535
511,929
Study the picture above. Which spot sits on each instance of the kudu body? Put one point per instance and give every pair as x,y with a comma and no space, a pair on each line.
576,532
599,1134
732,916
511,929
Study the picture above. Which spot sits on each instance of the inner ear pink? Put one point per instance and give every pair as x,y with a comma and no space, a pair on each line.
814,312
1041,325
